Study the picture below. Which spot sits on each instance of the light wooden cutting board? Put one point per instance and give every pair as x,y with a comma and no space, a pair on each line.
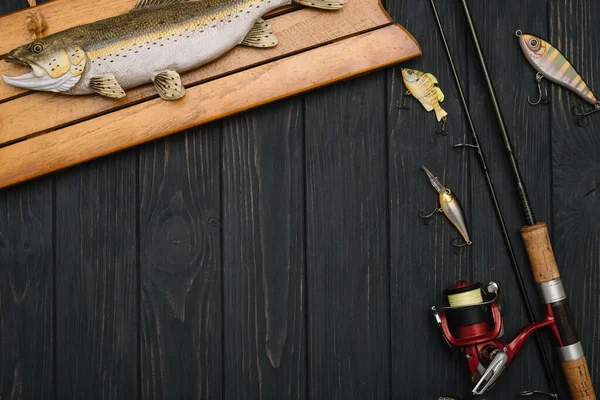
44,132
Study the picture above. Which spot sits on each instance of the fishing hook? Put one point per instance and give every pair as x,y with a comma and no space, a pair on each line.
534,392
429,217
580,114
405,105
442,131
542,98
456,243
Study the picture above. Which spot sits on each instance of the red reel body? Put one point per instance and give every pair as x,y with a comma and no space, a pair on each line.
474,323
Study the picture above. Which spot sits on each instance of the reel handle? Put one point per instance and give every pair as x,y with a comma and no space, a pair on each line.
545,273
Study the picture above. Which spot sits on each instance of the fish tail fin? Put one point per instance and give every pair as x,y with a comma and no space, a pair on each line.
440,113
323,4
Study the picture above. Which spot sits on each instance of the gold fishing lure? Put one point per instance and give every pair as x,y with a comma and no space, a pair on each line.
422,87
450,206
551,64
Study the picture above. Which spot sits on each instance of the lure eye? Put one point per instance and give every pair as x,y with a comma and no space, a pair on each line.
534,42
37,48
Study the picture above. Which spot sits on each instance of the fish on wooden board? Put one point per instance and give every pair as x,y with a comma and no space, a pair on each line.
155,42
422,87
550,63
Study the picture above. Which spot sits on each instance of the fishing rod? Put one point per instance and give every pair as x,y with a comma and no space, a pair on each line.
541,257
483,163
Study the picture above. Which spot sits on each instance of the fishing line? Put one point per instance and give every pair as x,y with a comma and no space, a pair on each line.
523,195
469,298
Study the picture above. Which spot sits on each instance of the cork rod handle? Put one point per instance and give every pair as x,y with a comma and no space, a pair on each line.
578,378
543,265
539,249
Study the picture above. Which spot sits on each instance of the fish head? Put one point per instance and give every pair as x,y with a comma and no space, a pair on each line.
532,45
55,64
410,75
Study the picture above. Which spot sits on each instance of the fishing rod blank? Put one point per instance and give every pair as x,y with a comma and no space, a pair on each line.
482,161
541,257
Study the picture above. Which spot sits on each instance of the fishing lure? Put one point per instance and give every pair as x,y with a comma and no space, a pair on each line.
450,206
422,87
154,42
551,64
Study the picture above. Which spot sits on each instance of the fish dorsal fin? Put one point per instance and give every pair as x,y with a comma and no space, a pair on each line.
440,94
139,4
433,78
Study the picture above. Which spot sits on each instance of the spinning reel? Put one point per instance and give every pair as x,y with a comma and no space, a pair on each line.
472,321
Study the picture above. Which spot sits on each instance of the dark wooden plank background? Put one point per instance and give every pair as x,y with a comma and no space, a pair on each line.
278,254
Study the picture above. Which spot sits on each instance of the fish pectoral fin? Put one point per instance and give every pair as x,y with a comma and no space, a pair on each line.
440,94
261,35
432,78
107,85
154,3
168,85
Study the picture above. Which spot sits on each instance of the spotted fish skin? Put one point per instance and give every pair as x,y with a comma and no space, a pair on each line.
553,65
422,87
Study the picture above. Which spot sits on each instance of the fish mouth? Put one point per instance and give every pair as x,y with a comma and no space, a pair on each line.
44,83
14,60
35,79
38,79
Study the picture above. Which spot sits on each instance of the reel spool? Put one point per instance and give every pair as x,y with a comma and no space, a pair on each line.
467,313
471,314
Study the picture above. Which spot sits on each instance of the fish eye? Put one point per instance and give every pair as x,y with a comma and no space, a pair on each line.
37,48
534,42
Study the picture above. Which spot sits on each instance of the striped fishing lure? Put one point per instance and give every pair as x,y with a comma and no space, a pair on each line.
553,65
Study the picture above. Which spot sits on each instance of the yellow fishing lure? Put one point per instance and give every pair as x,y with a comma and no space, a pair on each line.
422,86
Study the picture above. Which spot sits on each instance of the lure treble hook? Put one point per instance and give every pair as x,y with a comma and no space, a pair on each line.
456,243
442,130
450,207
543,98
404,105
580,114
429,217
